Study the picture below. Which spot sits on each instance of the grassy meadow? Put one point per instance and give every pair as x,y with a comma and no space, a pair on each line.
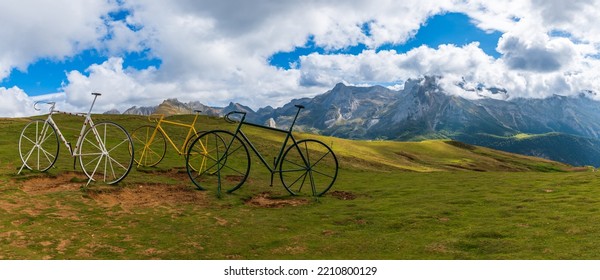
392,200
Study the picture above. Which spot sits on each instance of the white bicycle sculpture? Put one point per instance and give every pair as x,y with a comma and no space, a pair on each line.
105,150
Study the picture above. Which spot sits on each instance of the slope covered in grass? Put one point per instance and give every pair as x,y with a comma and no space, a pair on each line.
434,155
423,156
392,200
571,149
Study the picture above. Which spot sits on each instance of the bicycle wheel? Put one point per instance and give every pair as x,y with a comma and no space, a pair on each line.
308,164
220,159
106,153
152,149
38,145
196,162
189,142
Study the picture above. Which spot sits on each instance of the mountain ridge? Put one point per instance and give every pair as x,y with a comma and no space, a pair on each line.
423,110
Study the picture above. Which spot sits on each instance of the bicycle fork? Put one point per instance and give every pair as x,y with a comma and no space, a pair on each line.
147,145
103,155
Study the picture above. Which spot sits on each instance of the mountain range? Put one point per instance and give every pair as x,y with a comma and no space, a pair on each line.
560,128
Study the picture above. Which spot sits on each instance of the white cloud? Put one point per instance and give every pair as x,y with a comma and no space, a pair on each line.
217,51
546,55
207,43
383,66
119,87
15,103
502,15
578,18
207,46
123,39
48,29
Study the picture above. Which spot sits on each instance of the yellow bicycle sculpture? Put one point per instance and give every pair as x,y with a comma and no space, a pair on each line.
153,139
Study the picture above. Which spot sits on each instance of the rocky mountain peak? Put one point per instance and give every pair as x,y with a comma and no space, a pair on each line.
418,84
237,107
172,106
421,110
339,86
112,112
144,111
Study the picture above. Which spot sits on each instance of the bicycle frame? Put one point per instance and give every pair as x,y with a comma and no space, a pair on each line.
191,127
87,121
221,159
288,136
149,135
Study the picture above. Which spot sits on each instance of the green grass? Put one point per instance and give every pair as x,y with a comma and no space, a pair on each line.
393,200
521,136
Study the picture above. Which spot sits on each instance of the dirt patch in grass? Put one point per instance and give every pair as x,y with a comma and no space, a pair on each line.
342,195
62,246
437,248
265,200
290,250
8,206
138,195
148,195
67,181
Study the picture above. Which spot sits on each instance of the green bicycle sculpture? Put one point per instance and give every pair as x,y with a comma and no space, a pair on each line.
306,165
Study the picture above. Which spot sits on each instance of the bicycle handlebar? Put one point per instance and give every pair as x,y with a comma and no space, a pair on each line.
35,106
229,120
52,104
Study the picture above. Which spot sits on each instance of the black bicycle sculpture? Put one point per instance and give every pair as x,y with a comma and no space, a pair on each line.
224,160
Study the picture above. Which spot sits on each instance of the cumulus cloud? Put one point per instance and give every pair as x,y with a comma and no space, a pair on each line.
49,29
546,55
217,51
120,87
373,67
15,103
503,15
209,46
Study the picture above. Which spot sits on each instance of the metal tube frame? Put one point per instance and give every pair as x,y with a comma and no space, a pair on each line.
159,127
288,136
87,121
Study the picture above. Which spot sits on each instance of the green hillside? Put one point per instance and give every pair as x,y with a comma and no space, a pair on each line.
571,149
435,199
420,156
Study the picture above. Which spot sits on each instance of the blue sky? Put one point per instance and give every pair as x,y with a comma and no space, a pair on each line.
48,75
448,28
269,52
